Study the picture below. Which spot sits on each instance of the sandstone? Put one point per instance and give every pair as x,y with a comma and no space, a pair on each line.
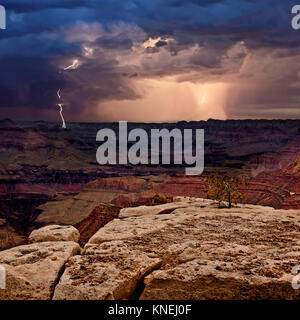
140,220
54,233
68,211
147,210
194,250
33,270
134,227
99,217
205,252
106,272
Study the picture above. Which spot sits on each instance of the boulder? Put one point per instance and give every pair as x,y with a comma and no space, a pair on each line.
106,272
33,270
54,233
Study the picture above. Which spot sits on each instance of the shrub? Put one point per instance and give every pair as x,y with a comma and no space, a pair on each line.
221,187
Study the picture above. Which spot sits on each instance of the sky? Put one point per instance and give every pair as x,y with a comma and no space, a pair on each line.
149,60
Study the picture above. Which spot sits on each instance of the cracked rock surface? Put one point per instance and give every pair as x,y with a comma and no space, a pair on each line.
105,272
246,252
189,249
32,271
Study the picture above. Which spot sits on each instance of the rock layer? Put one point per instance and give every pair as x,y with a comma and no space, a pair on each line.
40,163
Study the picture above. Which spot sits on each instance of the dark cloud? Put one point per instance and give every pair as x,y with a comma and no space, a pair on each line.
247,43
25,6
119,42
161,43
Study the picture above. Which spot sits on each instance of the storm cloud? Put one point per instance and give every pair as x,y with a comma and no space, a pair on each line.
158,60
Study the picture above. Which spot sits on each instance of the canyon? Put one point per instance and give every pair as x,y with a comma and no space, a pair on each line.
51,176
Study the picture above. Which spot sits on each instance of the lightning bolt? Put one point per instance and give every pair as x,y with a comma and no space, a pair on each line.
60,105
75,64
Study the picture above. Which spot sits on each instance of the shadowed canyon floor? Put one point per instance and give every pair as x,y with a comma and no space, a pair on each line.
187,249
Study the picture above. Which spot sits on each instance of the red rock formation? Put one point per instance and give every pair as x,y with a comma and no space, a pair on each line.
278,160
43,163
99,217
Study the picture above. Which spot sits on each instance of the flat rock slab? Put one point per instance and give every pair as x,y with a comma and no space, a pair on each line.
133,227
104,272
33,270
246,252
54,233
166,208
179,202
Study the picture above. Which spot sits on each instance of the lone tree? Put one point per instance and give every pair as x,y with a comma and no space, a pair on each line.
221,187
